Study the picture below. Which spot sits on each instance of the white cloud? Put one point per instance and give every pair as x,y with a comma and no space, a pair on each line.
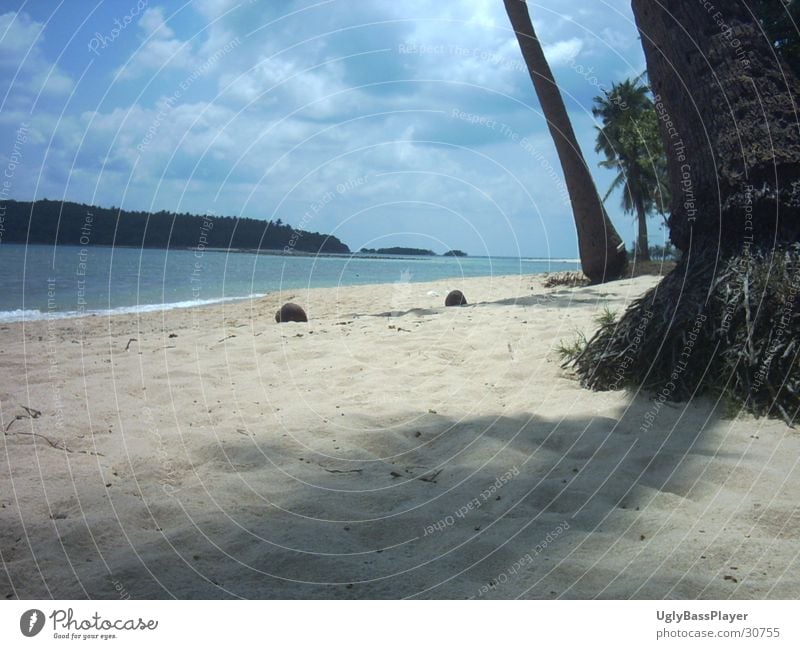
159,49
18,34
153,23
21,55
282,85
563,51
616,39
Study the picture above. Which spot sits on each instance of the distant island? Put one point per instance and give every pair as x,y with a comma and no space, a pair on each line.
418,252
398,251
51,222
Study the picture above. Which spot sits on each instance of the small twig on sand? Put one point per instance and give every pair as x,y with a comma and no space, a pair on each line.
431,477
342,470
130,340
32,414
62,447
226,338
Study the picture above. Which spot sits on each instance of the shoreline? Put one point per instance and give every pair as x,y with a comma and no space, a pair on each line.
389,448
211,302
401,291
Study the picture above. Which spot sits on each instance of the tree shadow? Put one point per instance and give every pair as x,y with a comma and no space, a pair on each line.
439,507
559,298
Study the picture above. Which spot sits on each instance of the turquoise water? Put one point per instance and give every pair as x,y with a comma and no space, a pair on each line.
38,281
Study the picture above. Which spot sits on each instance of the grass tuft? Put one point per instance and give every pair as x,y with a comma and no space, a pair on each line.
606,318
569,351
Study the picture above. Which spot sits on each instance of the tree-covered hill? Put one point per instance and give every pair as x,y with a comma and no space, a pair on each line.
49,222
397,250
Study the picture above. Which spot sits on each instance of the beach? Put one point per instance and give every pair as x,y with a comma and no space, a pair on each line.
388,448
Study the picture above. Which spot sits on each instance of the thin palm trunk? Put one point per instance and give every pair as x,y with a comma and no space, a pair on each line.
601,249
642,244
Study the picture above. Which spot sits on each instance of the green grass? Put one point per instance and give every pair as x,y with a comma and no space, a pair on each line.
606,318
569,351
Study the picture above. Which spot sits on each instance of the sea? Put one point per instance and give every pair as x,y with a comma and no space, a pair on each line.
44,281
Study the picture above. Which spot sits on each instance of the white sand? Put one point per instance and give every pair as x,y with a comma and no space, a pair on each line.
242,458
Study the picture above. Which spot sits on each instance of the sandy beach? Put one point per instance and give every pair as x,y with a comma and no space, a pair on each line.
389,448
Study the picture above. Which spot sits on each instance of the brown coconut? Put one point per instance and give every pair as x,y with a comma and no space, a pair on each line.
455,298
291,312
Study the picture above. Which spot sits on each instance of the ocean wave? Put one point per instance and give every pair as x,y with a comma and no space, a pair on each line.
31,315
21,314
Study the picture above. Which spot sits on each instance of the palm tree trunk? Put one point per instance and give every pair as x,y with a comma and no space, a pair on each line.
727,319
642,244
601,249
728,119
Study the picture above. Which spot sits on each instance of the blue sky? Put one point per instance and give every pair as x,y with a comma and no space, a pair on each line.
386,123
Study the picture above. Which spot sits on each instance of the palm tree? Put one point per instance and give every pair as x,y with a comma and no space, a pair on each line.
602,251
725,320
629,139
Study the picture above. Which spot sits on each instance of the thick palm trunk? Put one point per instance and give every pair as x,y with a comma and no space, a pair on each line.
728,119
601,249
727,319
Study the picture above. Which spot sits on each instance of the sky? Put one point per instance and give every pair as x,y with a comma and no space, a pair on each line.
385,123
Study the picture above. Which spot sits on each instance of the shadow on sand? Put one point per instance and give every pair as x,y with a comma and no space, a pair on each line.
431,507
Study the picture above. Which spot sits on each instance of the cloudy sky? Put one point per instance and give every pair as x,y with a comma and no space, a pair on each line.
386,123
